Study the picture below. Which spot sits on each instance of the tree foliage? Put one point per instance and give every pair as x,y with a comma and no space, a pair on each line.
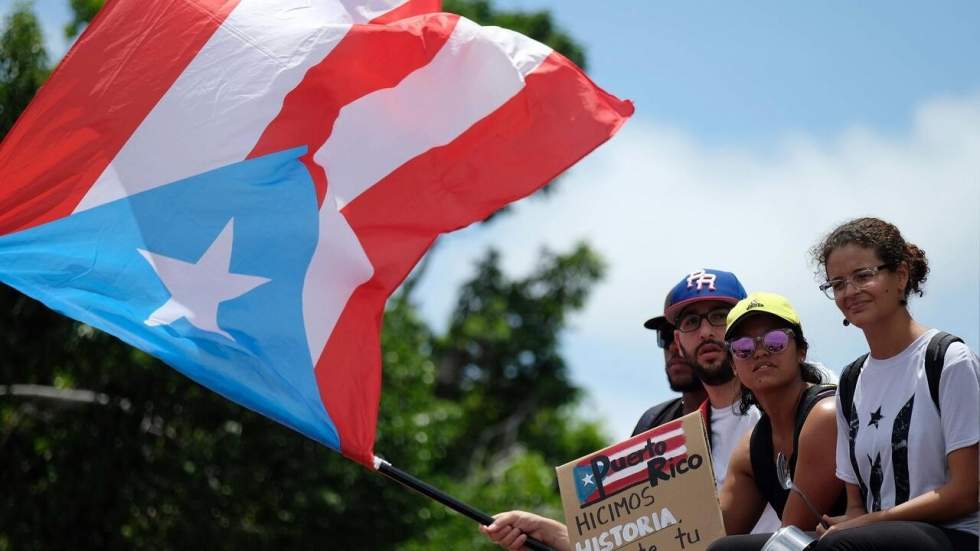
132,455
158,462
23,63
82,13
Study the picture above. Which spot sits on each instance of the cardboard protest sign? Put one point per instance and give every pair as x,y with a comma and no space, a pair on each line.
653,492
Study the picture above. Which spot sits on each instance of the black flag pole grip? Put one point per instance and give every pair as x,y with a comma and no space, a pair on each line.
436,494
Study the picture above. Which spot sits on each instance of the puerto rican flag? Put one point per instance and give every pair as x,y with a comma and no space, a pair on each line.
237,186
614,481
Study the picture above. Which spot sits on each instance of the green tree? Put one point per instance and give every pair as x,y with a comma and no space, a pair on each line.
500,357
499,364
82,13
102,446
23,63
151,460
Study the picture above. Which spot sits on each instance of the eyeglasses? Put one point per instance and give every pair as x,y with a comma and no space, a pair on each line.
665,337
774,342
861,278
692,322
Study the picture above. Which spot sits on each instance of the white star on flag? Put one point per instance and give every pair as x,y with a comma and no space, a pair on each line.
587,480
196,289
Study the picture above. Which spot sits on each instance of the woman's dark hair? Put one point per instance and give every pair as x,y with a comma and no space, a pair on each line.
886,241
808,372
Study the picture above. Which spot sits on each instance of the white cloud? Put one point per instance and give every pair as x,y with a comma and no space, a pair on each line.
657,204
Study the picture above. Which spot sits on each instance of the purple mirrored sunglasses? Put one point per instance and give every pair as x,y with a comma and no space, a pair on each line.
774,341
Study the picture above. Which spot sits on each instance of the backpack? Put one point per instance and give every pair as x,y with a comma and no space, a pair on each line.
659,414
761,450
934,360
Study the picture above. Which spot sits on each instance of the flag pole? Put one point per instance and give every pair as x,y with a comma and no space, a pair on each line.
436,494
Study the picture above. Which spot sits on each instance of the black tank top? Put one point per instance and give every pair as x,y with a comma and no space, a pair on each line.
761,453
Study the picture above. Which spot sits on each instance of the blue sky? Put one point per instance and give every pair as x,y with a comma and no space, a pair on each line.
759,126
747,72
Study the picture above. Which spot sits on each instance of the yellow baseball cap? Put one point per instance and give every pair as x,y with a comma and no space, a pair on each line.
769,303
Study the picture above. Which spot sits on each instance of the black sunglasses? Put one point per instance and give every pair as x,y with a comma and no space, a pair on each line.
665,337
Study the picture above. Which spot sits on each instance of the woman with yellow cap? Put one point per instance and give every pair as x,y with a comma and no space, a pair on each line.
768,350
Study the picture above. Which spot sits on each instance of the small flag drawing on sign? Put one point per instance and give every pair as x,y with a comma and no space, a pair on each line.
628,463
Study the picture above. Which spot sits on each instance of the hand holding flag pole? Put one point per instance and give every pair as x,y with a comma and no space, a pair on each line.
436,494
240,188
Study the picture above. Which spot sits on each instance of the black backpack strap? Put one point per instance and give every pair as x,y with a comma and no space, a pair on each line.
848,383
763,467
760,447
658,415
935,360
810,398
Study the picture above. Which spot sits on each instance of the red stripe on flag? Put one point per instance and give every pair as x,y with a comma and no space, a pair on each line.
558,118
408,9
108,82
368,58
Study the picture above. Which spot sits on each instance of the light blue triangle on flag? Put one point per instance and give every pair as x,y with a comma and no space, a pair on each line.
113,267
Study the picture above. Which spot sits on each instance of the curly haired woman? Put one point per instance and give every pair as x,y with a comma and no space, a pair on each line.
907,425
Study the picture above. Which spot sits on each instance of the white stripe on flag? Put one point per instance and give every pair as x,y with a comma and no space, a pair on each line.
338,266
525,53
470,77
223,101
363,11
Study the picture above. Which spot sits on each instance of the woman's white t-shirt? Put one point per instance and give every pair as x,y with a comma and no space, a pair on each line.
902,440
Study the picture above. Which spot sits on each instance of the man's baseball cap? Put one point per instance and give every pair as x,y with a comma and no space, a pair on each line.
761,303
660,322
657,323
702,285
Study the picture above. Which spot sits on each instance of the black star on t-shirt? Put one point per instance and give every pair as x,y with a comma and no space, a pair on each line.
875,417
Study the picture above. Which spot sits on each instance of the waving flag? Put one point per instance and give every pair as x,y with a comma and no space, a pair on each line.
237,186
